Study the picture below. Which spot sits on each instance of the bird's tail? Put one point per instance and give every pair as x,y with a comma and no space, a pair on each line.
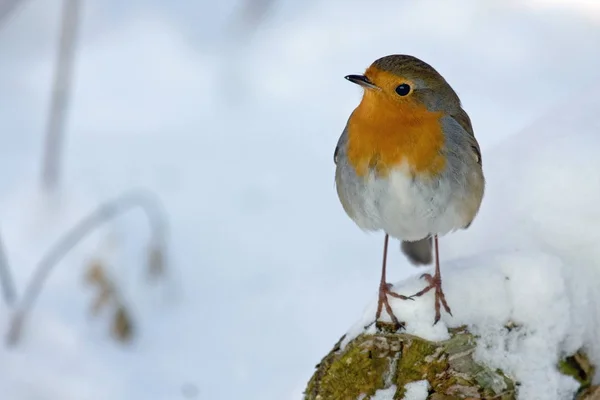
419,252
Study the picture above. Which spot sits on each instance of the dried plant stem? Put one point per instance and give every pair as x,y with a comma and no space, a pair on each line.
250,15
7,10
6,278
107,211
61,90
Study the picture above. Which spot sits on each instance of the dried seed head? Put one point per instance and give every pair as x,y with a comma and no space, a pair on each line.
122,327
94,274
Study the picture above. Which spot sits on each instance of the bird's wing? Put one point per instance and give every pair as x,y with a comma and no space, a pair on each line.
463,119
340,143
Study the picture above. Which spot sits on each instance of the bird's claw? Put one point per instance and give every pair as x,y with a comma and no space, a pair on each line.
384,290
435,283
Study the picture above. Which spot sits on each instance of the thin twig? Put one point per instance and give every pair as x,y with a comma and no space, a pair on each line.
7,10
249,17
61,90
107,211
6,278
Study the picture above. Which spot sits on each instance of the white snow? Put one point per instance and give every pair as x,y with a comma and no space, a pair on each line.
554,308
385,394
266,270
418,390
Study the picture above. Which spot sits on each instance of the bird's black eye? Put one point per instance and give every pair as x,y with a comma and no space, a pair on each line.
403,89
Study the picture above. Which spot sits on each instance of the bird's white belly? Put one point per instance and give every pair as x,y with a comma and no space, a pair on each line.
408,208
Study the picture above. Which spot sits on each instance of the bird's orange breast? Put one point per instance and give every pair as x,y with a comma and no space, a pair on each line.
383,134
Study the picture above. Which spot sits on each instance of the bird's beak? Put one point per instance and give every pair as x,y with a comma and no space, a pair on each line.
362,81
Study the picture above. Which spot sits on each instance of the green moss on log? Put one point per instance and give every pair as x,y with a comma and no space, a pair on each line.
579,367
373,362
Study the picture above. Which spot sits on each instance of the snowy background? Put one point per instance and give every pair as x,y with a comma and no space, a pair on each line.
235,134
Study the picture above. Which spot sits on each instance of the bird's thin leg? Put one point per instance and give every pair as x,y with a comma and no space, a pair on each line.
384,290
435,282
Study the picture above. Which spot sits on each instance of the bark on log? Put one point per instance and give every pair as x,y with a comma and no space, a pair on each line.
373,364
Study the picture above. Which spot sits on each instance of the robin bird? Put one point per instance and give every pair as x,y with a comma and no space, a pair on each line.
408,163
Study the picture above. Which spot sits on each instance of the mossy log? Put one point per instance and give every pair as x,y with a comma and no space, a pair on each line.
386,362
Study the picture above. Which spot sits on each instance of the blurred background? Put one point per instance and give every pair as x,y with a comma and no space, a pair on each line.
225,114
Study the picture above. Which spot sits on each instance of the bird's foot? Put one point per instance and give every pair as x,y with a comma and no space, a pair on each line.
384,291
435,282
